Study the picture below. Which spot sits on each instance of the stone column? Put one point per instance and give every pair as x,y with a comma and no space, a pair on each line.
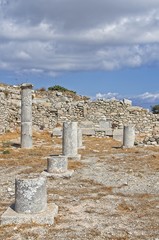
79,139
26,115
30,202
30,194
57,167
128,136
57,164
69,143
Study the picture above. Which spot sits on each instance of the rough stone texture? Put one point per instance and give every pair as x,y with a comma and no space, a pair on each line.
114,193
118,134
26,115
57,132
47,217
66,174
30,194
3,110
79,139
69,143
50,108
26,134
128,136
57,164
127,101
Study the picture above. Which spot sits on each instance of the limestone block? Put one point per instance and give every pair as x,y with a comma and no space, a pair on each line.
118,134
105,124
127,101
46,217
88,131
109,132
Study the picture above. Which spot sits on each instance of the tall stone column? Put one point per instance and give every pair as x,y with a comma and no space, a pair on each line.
70,144
79,139
26,115
128,136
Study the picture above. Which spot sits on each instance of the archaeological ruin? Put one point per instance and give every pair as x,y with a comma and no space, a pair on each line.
50,109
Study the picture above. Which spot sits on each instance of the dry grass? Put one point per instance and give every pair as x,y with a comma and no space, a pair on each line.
69,194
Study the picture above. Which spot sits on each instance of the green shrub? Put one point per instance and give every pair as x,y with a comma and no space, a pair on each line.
6,152
60,89
42,89
155,109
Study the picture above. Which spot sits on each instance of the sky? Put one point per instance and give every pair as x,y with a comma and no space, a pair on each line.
98,48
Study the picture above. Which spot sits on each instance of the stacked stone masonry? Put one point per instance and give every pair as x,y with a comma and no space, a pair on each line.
52,108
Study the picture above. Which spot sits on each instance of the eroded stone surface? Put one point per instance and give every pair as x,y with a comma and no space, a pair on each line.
57,164
128,136
46,217
30,194
26,115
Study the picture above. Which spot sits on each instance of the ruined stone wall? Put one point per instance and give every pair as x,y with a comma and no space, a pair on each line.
50,108
121,113
3,112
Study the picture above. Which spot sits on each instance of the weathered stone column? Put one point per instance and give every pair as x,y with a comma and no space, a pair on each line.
79,139
69,143
57,164
57,167
30,202
26,115
128,136
30,194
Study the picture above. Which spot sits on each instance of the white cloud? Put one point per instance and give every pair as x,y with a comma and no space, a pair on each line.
68,35
145,100
148,97
108,95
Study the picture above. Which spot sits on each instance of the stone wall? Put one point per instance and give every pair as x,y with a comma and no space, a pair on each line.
52,108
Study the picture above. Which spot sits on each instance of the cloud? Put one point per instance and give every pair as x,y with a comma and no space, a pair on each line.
108,95
148,97
54,36
145,100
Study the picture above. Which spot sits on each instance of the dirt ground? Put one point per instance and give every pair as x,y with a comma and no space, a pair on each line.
113,193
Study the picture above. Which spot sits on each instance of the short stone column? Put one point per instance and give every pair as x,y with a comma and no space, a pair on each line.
26,115
128,136
79,139
30,194
57,166
30,202
69,144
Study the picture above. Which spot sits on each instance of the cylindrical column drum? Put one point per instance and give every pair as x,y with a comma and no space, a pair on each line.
79,138
26,115
57,164
70,139
30,193
128,136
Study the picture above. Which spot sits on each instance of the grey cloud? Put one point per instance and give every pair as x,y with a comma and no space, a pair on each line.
62,35
75,14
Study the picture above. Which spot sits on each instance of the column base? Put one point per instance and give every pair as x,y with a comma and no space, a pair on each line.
66,174
125,147
46,217
76,157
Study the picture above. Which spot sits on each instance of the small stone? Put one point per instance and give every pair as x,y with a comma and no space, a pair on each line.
9,189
